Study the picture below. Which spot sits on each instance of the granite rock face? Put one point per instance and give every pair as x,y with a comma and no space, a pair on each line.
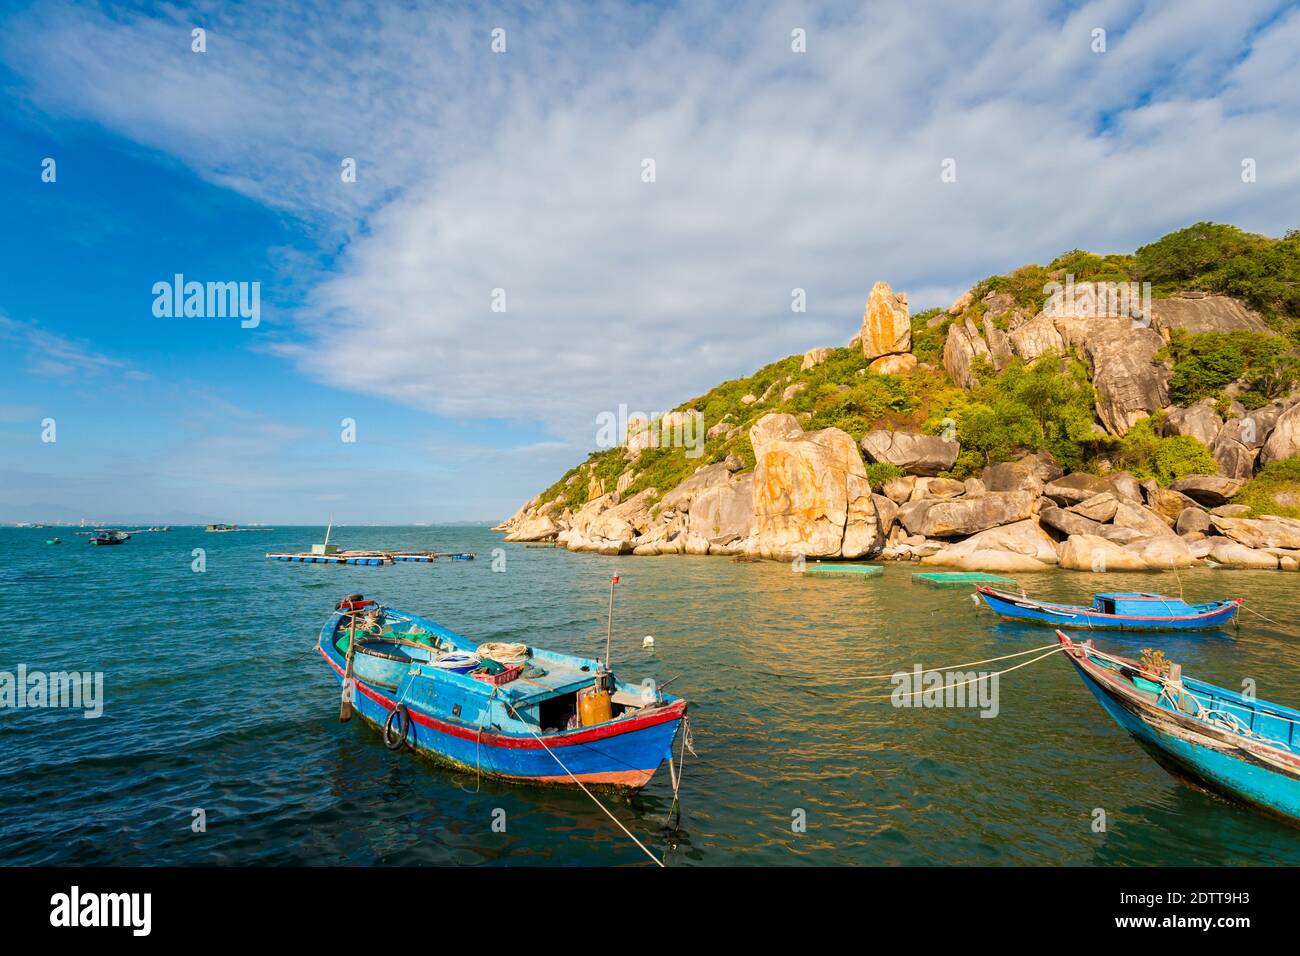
886,323
915,453
811,494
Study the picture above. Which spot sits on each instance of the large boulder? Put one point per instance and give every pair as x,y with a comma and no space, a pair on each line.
886,513
963,516
536,528
1076,488
1036,337
1068,522
622,522
1099,508
723,513
1130,385
1284,440
1021,546
813,358
1167,503
1235,459
1142,520
886,324
938,488
1090,552
811,494
1232,554
1126,486
1193,520
915,453
1269,532
899,489
1030,473
963,346
1195,313
1163,553
1200,421
1208,490
899,364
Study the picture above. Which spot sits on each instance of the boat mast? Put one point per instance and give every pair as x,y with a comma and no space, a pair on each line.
609,624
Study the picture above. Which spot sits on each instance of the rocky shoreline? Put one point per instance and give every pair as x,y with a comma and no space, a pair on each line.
809,495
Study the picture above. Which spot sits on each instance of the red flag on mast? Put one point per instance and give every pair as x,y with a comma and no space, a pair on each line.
613,579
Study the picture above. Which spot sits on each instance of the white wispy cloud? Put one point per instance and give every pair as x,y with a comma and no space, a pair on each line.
775,170
52,355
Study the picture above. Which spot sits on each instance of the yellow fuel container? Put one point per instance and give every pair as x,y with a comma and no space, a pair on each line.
594,707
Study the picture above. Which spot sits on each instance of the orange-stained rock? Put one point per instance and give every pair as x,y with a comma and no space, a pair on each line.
886,324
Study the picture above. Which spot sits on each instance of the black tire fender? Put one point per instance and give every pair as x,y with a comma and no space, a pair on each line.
393,736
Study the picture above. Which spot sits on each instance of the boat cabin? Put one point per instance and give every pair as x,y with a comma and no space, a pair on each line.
1141,604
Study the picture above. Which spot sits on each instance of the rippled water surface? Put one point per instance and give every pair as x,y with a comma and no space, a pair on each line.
216,700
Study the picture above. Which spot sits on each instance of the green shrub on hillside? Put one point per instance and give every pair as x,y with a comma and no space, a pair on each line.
879,472
1275,490
1145,453
1048,405
1205,363
927,343
1263,272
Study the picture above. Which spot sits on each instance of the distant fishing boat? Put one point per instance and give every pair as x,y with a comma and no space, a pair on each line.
513,712
1115,611
109,537
53,541
1245,748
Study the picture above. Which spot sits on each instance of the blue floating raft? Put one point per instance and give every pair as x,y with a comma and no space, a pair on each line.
942,579
839,568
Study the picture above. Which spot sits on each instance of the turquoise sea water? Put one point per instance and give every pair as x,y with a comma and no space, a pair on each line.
215,699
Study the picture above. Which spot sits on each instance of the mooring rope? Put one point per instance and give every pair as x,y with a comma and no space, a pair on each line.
951,667
1265,617
617,821
976,680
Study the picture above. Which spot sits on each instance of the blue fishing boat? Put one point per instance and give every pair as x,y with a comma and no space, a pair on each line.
1115,611
1245,748
508,711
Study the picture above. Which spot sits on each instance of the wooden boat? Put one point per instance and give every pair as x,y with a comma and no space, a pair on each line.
1245,748
434,690
109,537
1115,611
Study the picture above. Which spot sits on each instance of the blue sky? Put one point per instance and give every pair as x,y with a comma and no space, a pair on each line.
521,171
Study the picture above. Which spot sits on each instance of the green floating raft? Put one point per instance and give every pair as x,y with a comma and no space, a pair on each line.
945,579
839,568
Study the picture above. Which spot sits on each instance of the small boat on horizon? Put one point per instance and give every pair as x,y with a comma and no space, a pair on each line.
1115,611
1245,748
513,712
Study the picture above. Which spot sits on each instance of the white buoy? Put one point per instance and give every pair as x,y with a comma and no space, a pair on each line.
647,641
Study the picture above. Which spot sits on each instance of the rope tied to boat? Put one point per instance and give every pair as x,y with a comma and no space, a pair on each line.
974,680
594,799
950,667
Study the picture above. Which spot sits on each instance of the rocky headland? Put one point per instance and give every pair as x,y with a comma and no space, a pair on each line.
1006,433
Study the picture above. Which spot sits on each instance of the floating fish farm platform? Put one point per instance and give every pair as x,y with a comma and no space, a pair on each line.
369,558
839,568
949,579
